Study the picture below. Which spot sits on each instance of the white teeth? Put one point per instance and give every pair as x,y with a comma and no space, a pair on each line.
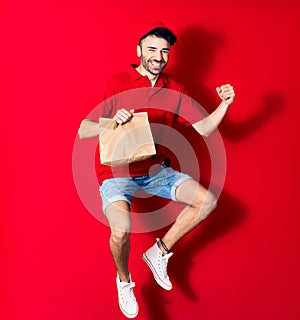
156,64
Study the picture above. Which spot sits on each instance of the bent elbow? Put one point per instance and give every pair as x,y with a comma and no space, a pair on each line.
80,133
206,134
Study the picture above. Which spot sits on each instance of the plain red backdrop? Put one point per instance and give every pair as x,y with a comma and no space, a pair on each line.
243,262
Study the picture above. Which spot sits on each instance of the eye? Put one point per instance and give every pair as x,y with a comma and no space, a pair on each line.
165,51
152,50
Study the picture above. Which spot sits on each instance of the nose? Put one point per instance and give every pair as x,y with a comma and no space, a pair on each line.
159,56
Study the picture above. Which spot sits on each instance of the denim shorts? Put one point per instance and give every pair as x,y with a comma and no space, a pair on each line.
162,183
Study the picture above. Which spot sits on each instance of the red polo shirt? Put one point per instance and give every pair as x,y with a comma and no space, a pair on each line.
167,102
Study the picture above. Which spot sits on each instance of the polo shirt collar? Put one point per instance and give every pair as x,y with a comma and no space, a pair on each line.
161,82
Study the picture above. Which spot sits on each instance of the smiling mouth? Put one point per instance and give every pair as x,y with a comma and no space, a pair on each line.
156,64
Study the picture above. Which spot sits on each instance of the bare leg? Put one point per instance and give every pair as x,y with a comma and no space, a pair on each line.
201,203
119,220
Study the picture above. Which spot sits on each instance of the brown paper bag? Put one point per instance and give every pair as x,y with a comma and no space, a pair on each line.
126,143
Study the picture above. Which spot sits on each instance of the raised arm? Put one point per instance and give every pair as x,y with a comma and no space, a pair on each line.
209,124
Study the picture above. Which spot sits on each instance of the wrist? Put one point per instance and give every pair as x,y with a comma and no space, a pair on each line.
225,104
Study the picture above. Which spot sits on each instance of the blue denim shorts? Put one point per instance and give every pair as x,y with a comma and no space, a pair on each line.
162,183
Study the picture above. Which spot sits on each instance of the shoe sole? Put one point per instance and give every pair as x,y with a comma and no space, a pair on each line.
155,275
128,315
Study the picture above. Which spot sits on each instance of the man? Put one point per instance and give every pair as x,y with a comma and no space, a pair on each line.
117,188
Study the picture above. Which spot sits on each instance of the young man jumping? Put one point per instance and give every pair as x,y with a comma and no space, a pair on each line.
118,188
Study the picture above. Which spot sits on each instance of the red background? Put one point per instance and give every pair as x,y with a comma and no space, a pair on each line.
243,262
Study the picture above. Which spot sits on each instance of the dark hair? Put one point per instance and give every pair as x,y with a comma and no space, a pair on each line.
161,33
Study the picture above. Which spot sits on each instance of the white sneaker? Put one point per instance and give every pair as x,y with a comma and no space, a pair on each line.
127,301
158,262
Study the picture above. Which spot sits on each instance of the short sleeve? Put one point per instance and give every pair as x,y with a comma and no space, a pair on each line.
107,104
189,111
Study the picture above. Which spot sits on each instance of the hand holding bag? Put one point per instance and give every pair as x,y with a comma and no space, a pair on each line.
126,143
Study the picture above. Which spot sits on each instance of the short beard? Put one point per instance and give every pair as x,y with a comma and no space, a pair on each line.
145,64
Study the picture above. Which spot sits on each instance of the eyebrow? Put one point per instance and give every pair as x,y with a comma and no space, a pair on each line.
151,47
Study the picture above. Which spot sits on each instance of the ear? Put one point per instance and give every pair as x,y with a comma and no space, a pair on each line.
138,51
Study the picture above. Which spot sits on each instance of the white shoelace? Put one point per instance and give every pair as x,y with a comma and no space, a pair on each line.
127,293
163,266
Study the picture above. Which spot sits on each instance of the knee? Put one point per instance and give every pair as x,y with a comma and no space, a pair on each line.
212,202
119,238
206,206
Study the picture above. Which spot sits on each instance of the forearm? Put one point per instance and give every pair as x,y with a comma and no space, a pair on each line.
209,124
88,129
92,129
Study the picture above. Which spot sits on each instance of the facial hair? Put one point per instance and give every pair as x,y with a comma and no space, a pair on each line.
147,65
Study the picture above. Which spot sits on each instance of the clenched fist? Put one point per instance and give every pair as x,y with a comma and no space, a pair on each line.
226,93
